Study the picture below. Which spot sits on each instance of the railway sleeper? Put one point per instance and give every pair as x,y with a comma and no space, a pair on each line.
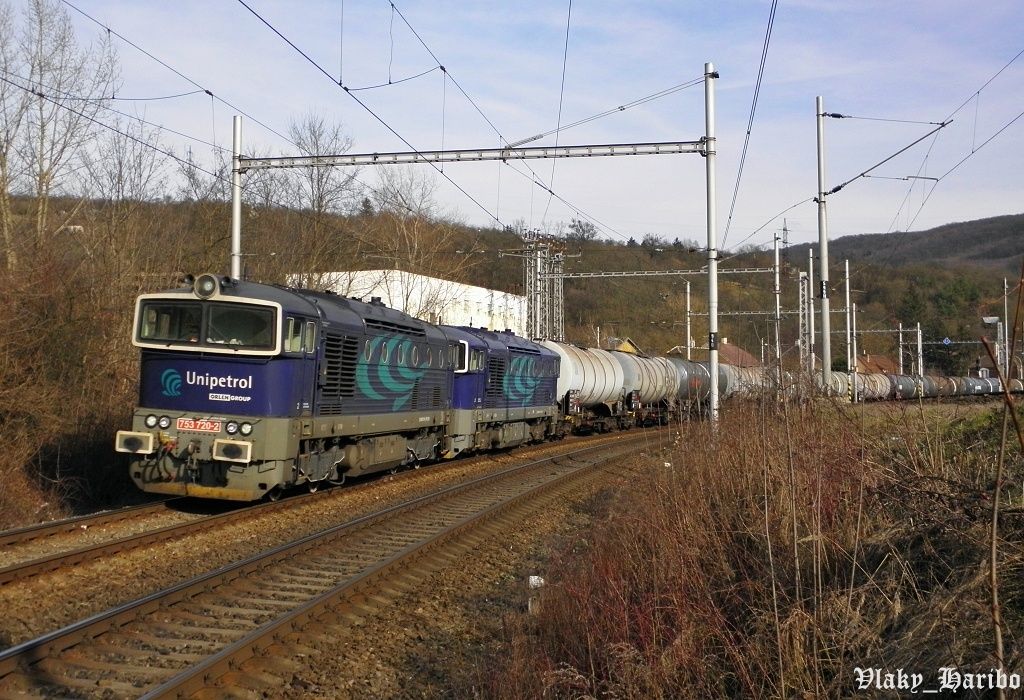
208,638
159,645
110,669
188,619
131,653
122,688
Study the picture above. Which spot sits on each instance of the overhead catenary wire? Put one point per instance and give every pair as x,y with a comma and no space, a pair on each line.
49,91
367,108
974,96
181,75
885,160
174,70
614,110
533,176
125,134
561,96
394,82
750,119
837,115
186,163
115,98
765,224
201,88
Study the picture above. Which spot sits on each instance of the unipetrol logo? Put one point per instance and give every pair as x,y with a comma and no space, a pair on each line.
170,381
521,381
389,369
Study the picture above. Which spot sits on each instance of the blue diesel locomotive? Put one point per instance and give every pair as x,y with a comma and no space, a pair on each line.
247,389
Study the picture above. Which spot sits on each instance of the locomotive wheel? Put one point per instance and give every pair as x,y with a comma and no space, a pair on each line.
274,494
313,486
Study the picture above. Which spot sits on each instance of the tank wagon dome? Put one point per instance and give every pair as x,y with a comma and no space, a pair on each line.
592,372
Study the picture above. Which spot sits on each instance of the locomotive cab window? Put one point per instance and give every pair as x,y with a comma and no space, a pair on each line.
462,358
293,336
238,325
476,361
173,322
309,343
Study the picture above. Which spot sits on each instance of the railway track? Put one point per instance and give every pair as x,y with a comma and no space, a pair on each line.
32,533
73,554
180,640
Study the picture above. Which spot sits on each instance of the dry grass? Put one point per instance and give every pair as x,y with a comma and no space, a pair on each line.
695,585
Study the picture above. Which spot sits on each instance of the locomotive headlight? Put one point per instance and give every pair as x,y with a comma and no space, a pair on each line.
231,428
246,428
164,422
206,286
151,421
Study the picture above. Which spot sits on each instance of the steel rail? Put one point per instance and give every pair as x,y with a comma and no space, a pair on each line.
23,656
366,584
58,560
56,527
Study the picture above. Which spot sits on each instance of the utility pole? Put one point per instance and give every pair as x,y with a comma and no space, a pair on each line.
901,347
236,197
710,149
810,313
853,377
826,341
778,312
557,330
1006,333
920,352
802,316
846,266
689,338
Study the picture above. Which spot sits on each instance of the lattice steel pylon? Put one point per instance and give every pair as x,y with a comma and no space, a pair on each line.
556,268
537,285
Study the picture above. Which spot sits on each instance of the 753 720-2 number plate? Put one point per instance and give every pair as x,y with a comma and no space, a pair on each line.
200,425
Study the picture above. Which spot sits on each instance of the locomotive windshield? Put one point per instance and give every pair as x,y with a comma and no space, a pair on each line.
241,326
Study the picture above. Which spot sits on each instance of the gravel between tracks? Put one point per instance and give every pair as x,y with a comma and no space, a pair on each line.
50,601
436,640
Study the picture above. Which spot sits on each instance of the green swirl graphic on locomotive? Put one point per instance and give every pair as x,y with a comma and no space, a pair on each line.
380,380
520,383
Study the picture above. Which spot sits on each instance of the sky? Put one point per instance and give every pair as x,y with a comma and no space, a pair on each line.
914,60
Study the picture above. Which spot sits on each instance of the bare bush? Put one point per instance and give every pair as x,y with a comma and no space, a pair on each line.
730,575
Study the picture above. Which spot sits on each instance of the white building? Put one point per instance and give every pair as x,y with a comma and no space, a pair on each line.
428,298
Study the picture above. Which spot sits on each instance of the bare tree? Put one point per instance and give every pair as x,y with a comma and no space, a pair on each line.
322,190
52,90
412,235
321,196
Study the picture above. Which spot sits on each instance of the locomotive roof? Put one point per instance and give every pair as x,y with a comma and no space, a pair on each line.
348,314
510,340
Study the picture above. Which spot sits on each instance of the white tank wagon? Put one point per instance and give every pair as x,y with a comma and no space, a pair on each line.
750,381
593,374
652,379
839,384
674,379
